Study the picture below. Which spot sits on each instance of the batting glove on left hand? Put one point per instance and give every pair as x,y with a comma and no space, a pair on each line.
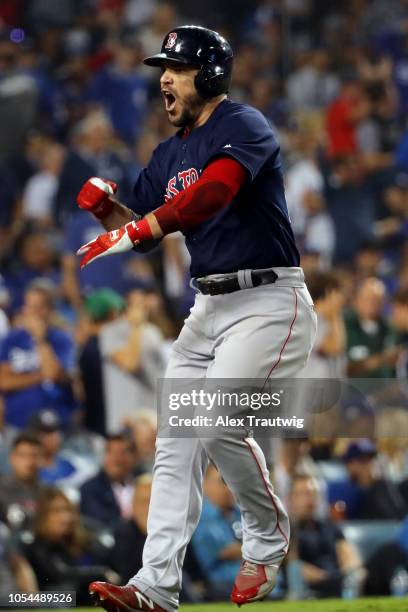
116,241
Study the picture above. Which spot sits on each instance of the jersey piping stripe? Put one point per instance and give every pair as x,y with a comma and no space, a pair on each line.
277,362
269,492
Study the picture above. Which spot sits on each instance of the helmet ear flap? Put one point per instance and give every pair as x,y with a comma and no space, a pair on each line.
211,81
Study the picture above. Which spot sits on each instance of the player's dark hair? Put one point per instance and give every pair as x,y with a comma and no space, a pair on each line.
25,438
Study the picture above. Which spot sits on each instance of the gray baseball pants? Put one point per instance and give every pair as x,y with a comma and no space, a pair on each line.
262,332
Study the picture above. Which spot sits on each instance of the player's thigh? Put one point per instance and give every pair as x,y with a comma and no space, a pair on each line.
191,353
273,339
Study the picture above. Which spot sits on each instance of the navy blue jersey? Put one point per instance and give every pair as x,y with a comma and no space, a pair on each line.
254,231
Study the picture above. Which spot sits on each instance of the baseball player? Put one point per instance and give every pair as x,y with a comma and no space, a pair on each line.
219,181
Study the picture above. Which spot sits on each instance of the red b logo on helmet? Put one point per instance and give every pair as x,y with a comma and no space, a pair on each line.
171,41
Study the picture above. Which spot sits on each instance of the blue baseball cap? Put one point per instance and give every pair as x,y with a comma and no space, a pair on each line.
358,450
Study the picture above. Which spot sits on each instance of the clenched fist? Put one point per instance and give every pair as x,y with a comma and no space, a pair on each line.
95,196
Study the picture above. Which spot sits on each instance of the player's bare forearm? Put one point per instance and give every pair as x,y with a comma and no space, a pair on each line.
119,216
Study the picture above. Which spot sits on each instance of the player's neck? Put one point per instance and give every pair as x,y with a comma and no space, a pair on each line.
207,111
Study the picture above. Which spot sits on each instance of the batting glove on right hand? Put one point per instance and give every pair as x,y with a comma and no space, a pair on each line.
94,196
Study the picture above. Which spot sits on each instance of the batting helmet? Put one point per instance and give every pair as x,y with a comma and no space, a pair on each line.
206,49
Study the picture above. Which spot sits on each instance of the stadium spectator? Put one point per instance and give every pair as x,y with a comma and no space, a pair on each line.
62,554
107,497
58,468
370,345
312,85
4,304
367,262
131,533
216,541
18,99
143,428
347,190
399,319
392,447
132,353
100,307
16,573
327,557
121,90
138,12
342,118
41,188
130,536
371,497
21,488
328,354
312,225
91,154
36,257
292,457
8,204
164,18
36,362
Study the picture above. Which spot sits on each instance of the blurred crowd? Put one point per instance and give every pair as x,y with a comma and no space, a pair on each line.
80,353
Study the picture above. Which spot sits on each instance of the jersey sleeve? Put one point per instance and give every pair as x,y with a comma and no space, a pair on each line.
148,192
246,136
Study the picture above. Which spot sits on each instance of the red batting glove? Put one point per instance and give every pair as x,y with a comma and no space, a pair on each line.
116,241
94,196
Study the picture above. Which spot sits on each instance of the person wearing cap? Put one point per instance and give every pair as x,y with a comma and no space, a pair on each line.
375,498
36,362
132,361
327,558
58,468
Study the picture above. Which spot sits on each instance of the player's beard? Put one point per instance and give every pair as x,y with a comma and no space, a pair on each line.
193,104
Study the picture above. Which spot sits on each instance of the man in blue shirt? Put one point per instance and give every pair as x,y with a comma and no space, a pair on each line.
36,363
219,180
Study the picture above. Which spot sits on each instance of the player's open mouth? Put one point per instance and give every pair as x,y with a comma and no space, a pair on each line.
169,100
